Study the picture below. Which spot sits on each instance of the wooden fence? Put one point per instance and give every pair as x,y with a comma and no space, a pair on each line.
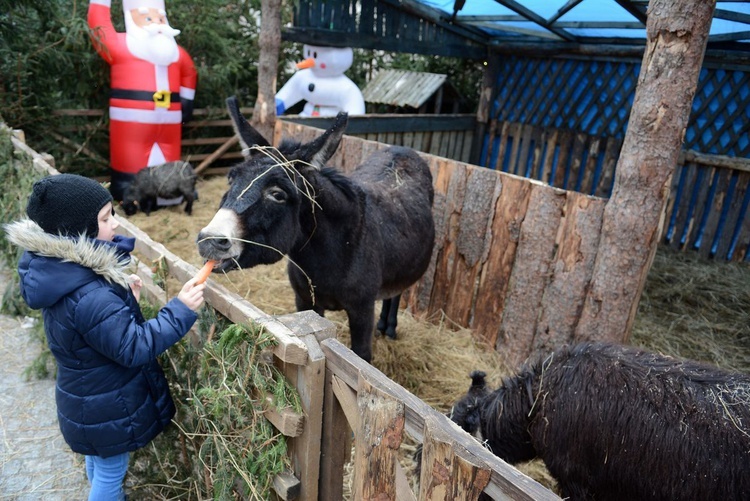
210,144
341,395
709,197
513,257
207,139
707,210
447,136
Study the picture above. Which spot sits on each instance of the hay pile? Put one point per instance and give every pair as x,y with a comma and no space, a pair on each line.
691,308
697,309
432,359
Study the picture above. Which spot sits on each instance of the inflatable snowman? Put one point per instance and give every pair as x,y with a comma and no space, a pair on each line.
322,84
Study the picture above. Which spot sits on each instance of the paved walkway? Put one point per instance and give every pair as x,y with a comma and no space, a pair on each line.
35,462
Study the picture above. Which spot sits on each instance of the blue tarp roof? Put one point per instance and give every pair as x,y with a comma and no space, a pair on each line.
580,21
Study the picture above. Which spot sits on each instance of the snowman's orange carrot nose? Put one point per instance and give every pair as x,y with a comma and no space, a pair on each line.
307,63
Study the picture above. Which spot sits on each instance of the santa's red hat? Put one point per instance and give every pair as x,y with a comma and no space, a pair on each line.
128,5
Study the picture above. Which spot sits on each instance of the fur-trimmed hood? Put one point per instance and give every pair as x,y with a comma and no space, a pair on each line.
54,266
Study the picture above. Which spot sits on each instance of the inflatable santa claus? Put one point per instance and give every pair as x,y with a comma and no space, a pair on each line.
152,87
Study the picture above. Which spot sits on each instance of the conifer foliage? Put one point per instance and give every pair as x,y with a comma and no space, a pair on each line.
47,63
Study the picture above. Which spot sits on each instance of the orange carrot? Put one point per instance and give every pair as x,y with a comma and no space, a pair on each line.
204,272
307,63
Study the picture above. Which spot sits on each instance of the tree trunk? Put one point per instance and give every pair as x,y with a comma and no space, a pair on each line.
677,32
264,113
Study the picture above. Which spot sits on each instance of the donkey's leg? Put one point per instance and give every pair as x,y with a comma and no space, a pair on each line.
389,316
361,323
383,320
148,204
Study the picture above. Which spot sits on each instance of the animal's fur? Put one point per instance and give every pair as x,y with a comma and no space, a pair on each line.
618,423
351,240
169,180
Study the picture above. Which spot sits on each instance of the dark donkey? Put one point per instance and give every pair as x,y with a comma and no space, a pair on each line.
351,240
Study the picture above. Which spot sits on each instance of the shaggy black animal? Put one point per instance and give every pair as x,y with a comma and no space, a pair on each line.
351,240
468,419
618,423
169,180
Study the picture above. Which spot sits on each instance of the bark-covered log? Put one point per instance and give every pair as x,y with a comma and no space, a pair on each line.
677,32
269,39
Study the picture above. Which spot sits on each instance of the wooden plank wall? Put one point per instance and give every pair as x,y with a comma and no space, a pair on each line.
708,207
449,144
449,136
512,258
562,158
709,197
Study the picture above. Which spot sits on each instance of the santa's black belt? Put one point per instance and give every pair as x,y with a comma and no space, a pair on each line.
144,95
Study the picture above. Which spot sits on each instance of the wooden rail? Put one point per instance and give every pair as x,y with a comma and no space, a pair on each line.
379,411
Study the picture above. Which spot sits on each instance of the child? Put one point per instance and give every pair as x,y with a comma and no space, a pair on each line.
112,396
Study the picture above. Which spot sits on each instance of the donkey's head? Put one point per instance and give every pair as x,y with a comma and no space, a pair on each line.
258,217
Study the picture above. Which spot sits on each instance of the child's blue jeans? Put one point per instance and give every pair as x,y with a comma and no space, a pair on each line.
106,476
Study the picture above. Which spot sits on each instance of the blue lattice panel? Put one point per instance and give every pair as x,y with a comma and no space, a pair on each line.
708,211
560,157
720,118
562,122
595,97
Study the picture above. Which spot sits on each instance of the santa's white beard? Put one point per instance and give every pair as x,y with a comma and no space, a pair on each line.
154,43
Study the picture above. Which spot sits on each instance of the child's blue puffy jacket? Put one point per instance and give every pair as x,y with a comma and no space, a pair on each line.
111,393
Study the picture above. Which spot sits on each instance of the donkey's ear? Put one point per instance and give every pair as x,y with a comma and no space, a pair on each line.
249,137
320,150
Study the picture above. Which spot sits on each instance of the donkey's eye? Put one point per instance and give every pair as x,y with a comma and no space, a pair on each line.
276,195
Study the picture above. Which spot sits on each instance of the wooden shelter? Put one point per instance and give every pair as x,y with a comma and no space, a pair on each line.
399,91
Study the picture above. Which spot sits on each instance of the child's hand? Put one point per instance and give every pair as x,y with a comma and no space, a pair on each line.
135,285
192,294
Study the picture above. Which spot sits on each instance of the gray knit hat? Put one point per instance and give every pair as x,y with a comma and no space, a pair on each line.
67,204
